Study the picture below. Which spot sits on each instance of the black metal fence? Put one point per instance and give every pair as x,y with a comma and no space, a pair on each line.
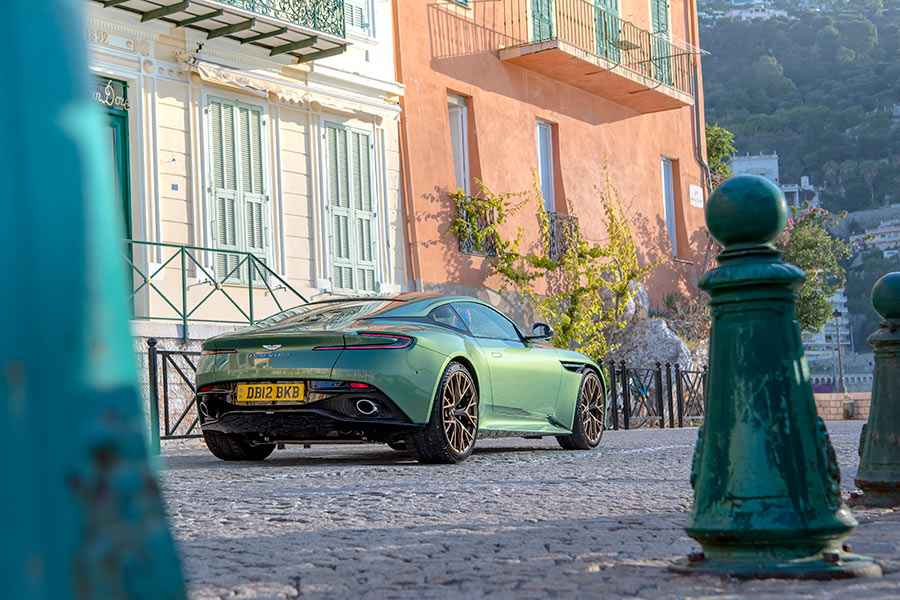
658,396
172,415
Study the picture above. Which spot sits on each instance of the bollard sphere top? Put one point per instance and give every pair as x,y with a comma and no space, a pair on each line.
886,296
746,210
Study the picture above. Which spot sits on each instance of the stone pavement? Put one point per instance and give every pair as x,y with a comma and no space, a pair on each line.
520,519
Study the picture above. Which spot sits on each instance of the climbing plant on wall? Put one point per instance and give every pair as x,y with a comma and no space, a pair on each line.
578,287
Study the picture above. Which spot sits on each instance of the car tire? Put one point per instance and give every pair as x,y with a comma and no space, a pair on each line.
590,413
452,429
233,447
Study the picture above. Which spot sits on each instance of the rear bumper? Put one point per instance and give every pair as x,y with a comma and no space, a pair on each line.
331,419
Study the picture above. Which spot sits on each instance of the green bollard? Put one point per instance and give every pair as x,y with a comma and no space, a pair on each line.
767,499
80,510
879,444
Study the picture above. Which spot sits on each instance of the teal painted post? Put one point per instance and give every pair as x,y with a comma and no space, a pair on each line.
767,496
879,450
81,512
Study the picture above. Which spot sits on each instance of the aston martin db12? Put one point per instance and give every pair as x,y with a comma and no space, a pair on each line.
426,373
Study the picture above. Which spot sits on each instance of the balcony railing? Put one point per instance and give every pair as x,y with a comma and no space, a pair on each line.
561,233
203,285
475,216
326,16
592,29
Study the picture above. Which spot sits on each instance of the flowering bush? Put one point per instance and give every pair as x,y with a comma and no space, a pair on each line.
808,243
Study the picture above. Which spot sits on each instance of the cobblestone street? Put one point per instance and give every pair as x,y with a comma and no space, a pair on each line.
520,519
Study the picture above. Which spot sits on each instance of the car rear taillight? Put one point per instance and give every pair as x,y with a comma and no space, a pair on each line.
205,388
359,386
379,341
208,352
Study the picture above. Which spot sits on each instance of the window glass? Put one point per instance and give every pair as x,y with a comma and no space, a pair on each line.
456,109
486,322
669,202
445,315
544,137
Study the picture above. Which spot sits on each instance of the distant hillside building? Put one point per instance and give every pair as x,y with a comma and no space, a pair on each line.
822,346
766,165
886,236
755,11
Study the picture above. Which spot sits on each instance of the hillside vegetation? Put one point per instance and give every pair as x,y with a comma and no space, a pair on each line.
820,89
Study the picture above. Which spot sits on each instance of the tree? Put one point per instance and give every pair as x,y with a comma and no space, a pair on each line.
808,243
719,148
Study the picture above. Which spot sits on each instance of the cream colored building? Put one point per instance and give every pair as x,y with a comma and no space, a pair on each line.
256,149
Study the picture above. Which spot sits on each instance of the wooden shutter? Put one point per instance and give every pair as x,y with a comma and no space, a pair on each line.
339,209
355,14
659,23
252,177
225,194
240,219
351,210
542,20
364,214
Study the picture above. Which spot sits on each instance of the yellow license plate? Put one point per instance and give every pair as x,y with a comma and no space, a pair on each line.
270,392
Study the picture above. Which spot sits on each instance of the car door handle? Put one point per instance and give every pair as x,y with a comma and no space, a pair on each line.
497,354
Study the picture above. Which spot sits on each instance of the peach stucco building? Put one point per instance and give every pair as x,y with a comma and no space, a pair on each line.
498,90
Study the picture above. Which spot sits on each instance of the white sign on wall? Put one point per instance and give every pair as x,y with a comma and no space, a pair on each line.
697,196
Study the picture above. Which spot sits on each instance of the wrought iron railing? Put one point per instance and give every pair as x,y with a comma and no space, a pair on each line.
186,284
591,28
561,232
326,16
658,396
173,407
474,218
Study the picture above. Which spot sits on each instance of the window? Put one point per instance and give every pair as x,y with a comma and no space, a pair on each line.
544,136
445,315
486,322
351,209
668,188
459,140
240,204
356,16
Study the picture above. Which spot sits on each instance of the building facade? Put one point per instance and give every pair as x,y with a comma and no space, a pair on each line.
885,236
516,91
821,348
256,151
766,165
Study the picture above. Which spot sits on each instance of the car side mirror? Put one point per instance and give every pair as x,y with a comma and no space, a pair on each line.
541,331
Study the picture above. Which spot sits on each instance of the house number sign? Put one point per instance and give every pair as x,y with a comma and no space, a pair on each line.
111,93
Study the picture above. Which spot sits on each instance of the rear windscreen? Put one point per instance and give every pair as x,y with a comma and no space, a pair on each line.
328,315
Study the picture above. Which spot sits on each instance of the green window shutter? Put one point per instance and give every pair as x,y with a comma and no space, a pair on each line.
225,193
240,204
659,23
542,20
255,201
352,214
339,207
364,215
659,16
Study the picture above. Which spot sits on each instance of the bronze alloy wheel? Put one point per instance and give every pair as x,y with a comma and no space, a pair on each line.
449,436
587,428
459,411
592,405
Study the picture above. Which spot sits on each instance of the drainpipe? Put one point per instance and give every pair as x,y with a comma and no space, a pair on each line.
407,207
690,17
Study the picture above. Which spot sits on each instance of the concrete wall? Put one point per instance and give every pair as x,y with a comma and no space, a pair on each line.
447,48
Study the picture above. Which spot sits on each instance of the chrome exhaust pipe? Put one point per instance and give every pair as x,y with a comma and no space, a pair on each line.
204,410
366,407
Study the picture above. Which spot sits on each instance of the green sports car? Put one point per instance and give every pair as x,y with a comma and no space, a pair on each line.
423,372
